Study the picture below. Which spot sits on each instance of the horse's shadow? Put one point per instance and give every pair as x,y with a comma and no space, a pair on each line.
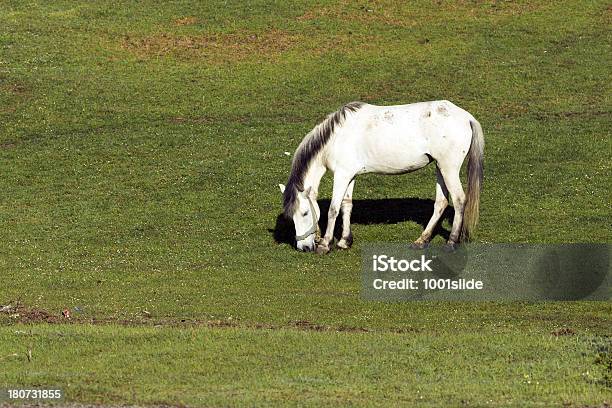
366,212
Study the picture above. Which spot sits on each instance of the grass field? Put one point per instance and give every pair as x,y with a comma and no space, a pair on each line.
141,144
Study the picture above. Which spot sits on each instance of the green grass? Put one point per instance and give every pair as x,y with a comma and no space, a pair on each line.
247,367
140,153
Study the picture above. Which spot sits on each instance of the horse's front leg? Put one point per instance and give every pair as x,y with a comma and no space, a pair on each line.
341,183
318,235
347,206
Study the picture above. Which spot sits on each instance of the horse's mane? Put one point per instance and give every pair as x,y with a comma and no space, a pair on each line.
311,145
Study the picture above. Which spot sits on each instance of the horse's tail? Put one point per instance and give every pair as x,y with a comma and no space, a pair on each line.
474,186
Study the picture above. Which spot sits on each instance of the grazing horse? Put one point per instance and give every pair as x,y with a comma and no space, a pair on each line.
360,138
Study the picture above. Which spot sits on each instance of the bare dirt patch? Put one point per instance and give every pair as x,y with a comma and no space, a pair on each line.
563,331
213,47
309,326
15,89
18,313
23,314
7,145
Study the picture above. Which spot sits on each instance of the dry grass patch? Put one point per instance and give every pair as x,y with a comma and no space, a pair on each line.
349,11
607,14
14,88
236,47
398,14
213,47
185,21
511,109
491,7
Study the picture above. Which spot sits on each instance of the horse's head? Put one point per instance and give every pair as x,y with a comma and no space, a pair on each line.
305,215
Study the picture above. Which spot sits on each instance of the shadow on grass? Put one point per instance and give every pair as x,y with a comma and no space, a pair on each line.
366,212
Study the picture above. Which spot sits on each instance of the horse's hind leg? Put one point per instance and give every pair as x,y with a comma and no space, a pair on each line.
347,206
439,207
453,183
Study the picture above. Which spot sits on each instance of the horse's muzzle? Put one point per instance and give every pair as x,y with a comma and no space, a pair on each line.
306,247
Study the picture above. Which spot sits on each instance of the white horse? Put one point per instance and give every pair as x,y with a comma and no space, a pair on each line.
361,138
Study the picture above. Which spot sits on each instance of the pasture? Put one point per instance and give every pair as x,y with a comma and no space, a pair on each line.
141,144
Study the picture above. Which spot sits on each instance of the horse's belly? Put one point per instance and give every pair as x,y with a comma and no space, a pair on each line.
395,153
396,165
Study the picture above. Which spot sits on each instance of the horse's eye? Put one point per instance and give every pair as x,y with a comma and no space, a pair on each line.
305,214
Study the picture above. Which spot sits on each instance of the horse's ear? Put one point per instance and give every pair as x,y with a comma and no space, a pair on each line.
282,188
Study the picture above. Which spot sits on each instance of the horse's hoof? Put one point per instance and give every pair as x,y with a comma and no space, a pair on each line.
450,247
322,250
345,243
419,245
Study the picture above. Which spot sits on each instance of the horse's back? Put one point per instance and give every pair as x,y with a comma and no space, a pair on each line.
402,138
419,110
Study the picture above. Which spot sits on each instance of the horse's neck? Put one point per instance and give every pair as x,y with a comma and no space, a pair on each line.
316,169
